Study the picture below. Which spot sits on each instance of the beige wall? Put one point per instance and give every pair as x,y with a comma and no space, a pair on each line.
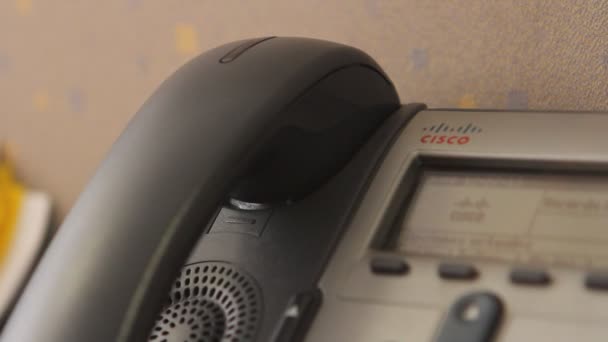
73,72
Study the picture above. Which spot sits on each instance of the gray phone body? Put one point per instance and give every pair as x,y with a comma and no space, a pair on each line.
359,305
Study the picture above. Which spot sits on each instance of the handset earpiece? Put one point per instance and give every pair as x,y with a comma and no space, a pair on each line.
260,121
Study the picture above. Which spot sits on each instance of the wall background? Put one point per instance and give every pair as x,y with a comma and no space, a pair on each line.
72,73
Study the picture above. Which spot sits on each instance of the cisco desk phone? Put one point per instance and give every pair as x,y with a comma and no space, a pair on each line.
277,190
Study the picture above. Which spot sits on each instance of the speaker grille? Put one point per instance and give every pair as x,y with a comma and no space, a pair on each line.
210,302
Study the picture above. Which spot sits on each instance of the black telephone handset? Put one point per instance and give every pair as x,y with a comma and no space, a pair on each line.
263,123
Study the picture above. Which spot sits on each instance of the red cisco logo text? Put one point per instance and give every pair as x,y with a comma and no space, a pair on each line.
446,134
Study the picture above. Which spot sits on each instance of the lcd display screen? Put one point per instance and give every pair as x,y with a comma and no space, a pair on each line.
516,217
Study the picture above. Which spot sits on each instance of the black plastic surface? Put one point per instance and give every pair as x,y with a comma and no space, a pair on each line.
290,255
474,317
106,273
334,118
239,50
298,316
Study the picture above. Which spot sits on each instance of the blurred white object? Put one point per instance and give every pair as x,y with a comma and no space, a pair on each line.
28,239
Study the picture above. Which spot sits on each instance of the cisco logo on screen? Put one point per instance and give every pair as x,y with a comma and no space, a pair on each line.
450,135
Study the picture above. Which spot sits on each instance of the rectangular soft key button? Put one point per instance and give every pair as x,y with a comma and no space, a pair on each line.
597,281
461,271
386,265
530,276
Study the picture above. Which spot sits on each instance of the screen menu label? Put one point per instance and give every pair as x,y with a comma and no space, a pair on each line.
515,217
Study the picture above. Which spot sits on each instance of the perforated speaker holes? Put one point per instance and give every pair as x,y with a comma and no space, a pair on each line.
210,302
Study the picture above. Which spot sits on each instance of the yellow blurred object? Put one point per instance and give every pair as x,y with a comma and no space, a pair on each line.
24,230
11,195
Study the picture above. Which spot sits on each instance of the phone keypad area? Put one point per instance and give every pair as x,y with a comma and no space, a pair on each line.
551,295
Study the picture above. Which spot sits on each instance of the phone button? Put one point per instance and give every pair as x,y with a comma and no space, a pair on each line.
389,266
459,271
530,276
251,222
597,280
474,317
